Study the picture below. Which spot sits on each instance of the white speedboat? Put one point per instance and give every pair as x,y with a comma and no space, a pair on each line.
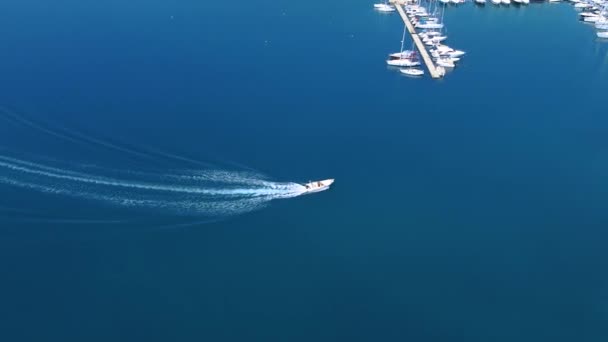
412,72
317,186
445,2
480,2
496,2
506,2
603,34
525,2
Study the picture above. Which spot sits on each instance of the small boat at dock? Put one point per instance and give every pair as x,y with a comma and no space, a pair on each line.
446,63
404,54
403,62
403,58
384,7
412,72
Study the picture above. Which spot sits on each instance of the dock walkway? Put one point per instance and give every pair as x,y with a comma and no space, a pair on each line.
435,73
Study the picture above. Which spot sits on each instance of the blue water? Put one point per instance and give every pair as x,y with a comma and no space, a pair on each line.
467,209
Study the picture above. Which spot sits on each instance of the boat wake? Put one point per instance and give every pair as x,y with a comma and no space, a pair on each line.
207,191
202,192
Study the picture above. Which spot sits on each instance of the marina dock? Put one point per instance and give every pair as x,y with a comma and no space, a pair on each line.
421,48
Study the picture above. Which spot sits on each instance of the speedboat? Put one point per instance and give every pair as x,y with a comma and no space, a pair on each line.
525,2
412,72
602,34
496,2
506,2
317,186
480,2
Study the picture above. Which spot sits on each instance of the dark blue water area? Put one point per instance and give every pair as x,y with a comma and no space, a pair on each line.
465,209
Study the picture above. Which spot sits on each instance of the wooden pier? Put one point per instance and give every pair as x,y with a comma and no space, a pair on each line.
435,73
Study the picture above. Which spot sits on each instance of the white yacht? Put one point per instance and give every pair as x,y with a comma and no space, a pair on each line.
403,58
480,2
402,54
404,62
496,2
318,186
506,2
603,34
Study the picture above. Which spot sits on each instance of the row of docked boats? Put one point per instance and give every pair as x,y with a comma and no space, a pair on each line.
427,20
483,2
594,12
507,2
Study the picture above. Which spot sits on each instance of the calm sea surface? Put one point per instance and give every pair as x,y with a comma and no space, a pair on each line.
467,209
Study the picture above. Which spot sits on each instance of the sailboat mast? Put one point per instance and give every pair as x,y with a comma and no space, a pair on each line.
402,42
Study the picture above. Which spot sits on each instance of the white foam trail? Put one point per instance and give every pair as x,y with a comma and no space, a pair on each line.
277,189
221,193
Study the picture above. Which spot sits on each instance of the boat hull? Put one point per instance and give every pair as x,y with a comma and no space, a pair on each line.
318,186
